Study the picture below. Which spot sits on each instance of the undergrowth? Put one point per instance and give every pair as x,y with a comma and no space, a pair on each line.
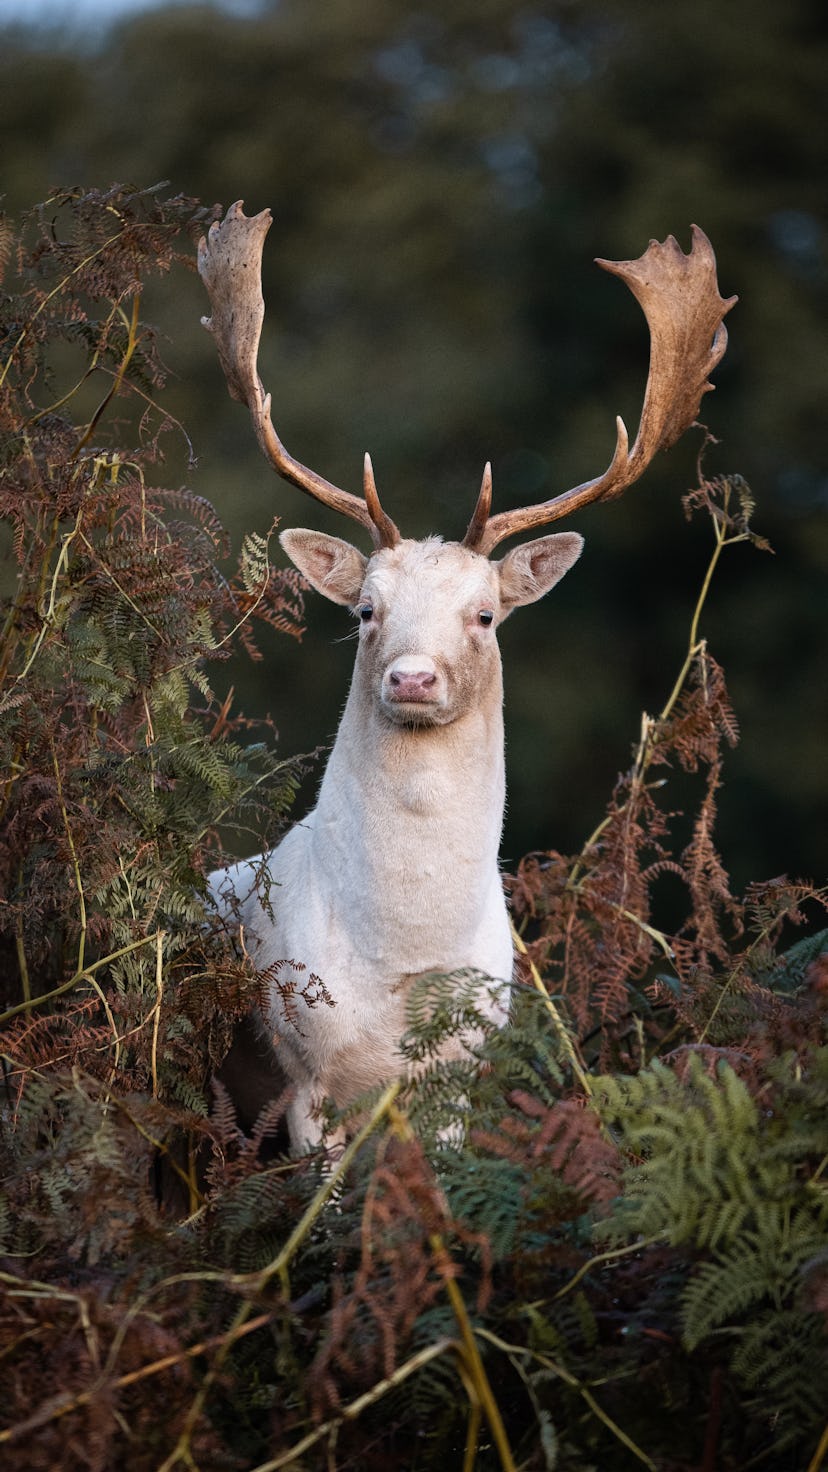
603,1246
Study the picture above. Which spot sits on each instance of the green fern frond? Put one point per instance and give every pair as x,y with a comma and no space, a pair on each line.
723,1290
254,563
442,1006
705,1172
781,1356
756,1266
788,972
485,1192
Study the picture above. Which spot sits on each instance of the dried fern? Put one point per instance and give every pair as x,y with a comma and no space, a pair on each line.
596,1238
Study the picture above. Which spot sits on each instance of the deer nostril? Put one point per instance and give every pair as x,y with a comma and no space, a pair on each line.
411,684
425,678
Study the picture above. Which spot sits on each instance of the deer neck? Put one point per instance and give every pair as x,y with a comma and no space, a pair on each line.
435,794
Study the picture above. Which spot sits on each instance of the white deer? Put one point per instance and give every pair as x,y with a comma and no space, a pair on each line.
395,874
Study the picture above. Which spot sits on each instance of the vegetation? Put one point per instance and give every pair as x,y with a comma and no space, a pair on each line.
611,1254
441,178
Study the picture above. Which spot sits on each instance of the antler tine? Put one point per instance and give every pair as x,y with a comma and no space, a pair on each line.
386,532
230,265
679,296
482,510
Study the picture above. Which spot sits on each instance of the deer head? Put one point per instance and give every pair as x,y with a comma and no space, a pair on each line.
395,590
428,614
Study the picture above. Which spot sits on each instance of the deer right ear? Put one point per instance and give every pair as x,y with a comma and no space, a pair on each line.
333,567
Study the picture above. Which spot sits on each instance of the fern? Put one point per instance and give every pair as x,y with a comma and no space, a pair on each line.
705,1173
781,1357
440,1007
254,566
720,1176
756,1266
619,1199
791,970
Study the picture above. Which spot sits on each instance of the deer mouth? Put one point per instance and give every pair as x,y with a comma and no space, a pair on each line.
416,715
415,710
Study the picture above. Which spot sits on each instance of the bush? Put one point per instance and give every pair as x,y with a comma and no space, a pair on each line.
623,1263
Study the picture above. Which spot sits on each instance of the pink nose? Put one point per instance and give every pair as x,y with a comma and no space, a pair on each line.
411,686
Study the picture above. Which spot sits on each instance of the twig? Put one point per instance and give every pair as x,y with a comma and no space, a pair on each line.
560,1026
820,1454
66,986
575,1384
278,1267
159,983
472,1363
356,1407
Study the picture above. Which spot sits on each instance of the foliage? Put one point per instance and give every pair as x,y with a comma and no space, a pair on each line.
118,763
601,1245
441,177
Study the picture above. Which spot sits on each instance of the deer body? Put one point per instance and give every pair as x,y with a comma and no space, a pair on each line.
395,871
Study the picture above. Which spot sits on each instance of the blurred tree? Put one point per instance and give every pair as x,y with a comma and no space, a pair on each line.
441,178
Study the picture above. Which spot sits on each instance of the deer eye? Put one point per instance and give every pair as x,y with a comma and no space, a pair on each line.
486,617
366,612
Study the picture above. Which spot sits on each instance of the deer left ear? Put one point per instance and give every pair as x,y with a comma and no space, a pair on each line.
333,567
529,571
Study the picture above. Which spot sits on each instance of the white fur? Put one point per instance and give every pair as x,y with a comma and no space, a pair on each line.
395,872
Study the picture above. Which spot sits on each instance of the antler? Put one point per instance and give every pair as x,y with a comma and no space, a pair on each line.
680,298
230,265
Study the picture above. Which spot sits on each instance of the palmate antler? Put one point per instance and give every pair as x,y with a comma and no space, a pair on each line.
230,265
680,297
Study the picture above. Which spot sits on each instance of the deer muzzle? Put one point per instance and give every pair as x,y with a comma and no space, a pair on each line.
413,679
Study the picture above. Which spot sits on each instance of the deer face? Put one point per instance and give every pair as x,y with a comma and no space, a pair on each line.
428,614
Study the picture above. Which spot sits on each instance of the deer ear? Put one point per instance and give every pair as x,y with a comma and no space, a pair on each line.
333,567
529,571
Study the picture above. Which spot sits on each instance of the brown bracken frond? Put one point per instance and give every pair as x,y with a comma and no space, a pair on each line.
625,1186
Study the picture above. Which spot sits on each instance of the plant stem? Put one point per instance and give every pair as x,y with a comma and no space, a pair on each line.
472,1362
356,1407
54,1411
278,1267
649,727
48,617
85,974
20,945
560,1026
132,343
280,1262
53,293
575,1384
74,856
820,1454
608,1256
159,983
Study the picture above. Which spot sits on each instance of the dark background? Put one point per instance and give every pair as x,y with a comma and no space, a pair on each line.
441,178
